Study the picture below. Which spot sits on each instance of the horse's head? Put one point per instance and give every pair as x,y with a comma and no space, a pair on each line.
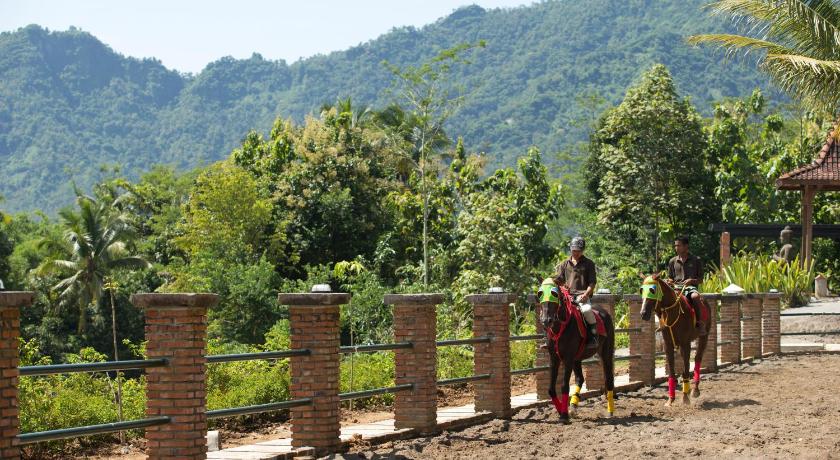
549,297
651,292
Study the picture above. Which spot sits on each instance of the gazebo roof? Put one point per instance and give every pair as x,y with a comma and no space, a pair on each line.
823,173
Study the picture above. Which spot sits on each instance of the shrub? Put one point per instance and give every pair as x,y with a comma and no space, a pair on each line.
758,273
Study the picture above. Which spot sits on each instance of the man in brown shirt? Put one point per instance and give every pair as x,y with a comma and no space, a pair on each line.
577,273
685,272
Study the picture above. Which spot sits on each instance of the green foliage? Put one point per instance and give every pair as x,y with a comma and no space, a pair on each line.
798,43
90,105
74,400
759,274
647,168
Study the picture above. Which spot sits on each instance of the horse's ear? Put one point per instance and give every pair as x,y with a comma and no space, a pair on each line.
642,275
655,276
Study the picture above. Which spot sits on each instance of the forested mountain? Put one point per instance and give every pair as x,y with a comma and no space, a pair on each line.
69,103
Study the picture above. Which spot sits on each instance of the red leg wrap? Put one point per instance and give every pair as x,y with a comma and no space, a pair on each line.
672,387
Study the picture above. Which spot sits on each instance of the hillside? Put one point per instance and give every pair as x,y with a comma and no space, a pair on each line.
69,103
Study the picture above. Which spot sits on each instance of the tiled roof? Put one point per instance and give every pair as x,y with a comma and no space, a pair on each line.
823,172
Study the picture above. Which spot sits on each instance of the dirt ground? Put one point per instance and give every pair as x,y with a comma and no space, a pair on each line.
780,407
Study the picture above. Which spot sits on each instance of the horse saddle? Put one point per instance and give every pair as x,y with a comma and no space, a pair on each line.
582,326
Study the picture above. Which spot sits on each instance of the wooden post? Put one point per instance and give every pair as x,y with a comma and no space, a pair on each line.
725,255
807,225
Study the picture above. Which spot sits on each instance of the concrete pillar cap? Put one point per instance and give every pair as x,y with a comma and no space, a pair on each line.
733,289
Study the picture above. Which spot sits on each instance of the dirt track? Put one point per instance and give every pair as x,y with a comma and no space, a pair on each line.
779,408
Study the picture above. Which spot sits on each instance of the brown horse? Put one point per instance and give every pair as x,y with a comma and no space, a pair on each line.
566,344
677,327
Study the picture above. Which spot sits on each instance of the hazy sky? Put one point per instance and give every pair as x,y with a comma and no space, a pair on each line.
188,34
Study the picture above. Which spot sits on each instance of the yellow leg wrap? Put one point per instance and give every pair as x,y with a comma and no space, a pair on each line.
575,399
686,387
610,402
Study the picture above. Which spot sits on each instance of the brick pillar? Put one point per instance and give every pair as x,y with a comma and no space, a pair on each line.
730,328
642,343
541,378
593,373
770,327
710,358
10,305
415,321
176,329
751,325
491,318
315,326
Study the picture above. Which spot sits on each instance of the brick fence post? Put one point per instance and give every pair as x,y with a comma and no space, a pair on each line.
314,323
730,328
770,326
415,321
176,329
643,344
491,318
710,358
593,373
541,378
751,326
10,305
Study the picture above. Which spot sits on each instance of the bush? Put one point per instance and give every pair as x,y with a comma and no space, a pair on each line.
73,400
758,273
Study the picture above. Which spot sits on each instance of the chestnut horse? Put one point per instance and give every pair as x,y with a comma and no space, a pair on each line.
566,344
677,327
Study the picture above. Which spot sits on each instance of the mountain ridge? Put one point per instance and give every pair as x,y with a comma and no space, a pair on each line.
69,103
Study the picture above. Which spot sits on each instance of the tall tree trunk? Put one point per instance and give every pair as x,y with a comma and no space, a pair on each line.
117,358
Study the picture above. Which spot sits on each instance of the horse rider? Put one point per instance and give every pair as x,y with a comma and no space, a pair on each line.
577,273
685,272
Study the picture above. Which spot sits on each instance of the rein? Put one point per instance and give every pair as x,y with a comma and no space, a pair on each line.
662,312
555,337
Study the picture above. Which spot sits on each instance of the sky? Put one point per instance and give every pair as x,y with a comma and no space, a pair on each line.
188,34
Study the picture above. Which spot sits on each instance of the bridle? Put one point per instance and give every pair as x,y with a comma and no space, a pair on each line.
650,294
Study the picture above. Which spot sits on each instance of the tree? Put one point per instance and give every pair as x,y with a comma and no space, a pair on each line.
648,157
427,94
798,42
98,241
99,238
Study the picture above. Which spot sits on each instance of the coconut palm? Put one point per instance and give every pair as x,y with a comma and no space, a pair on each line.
798,42
97,240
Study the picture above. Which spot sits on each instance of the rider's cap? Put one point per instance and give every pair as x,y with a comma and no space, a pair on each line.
577,244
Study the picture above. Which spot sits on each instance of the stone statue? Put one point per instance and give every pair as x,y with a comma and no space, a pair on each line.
787,253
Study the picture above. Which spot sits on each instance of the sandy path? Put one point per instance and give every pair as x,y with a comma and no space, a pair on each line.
781,407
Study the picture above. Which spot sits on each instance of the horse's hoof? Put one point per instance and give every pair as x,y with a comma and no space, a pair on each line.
564,419
573,408
669,402
610,415
695,393
686,400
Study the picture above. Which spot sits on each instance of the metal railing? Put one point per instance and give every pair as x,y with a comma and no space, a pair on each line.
457,380
375,392
375,347
88,430
449,343
64,433
213,359
258,409
75,368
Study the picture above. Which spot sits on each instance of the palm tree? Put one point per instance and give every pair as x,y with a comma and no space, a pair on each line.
98,238
798,42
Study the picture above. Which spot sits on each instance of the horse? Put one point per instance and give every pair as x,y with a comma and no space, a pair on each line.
678,331
567,345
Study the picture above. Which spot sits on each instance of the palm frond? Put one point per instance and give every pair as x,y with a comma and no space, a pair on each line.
813,80
734,43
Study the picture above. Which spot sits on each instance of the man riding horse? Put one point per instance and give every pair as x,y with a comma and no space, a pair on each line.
577,273
685,272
